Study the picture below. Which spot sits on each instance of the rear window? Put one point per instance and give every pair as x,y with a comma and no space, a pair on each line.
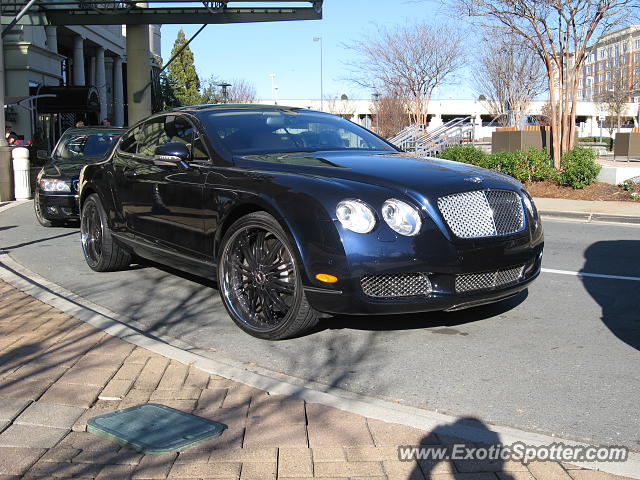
79,145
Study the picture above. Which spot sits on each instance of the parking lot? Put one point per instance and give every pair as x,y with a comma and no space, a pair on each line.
561,359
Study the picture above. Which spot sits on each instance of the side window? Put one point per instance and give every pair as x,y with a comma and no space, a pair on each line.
180,130
129,143
151,135
199,152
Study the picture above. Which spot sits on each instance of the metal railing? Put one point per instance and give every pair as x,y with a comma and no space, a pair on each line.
416,139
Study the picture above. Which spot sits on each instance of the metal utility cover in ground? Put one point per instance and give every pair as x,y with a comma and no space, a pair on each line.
154,429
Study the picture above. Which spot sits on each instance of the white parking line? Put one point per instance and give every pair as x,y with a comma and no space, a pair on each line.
595,275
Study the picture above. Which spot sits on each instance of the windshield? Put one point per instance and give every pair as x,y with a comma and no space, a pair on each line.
79,145
247,131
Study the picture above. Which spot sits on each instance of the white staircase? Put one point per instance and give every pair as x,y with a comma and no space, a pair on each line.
416,139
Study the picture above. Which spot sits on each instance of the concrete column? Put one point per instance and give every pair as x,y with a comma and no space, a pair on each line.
118,93
3,140
101,83
92,71
138,73
78,60
52,38
6,170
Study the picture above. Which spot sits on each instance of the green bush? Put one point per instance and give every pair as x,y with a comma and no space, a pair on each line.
532,165
578,168
464,154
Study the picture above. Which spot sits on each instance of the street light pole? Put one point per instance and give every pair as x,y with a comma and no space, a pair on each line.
273,88
376,98
319,39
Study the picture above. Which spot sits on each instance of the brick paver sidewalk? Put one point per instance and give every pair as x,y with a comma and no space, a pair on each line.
56,372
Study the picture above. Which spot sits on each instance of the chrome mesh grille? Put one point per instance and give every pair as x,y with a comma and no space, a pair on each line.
483,213
489,280
398,285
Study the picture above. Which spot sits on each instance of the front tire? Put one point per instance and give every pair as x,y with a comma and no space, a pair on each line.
100,250
45,222
259,280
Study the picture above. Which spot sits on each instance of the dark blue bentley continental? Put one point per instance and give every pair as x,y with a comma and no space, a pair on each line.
298,212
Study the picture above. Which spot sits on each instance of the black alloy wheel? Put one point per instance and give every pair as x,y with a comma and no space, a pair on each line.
100,250
259,280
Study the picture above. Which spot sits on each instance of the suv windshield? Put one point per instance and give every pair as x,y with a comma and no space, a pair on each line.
82,146
251,131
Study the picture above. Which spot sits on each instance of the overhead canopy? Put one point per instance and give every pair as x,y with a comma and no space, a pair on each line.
67,99
115,12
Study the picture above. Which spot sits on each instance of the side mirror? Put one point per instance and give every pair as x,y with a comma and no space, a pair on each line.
172,152
42,155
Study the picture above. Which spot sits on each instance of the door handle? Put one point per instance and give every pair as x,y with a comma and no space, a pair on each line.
131,174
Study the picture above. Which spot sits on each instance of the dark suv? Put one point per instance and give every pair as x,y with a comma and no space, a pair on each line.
57,183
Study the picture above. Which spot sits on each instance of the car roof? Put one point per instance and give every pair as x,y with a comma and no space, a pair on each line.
233,106
98,129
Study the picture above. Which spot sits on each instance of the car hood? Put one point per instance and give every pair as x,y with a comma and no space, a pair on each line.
66,168
399,171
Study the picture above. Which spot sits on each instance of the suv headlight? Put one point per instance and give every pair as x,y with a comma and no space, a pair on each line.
355,215
54,185
401,217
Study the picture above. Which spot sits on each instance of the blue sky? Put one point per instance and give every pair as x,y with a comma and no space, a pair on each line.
253,51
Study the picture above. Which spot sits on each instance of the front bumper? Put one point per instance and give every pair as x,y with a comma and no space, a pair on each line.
356,302
441,259
58,206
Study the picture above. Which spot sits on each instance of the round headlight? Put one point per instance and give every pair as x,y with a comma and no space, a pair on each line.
401,217
356,216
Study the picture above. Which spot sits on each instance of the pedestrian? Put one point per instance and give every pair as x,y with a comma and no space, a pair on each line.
106,122
10,136
79,124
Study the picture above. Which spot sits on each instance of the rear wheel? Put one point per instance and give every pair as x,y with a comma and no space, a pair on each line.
101,252
259,280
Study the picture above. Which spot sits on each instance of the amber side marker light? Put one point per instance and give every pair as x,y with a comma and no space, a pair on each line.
326,278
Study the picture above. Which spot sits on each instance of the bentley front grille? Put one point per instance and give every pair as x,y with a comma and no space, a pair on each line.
483,213
489,280
396,285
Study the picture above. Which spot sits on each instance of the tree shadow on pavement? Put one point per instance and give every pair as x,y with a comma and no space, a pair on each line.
448,436
40,240
619,299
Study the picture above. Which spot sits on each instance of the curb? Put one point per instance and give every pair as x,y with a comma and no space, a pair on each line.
38,287
590,217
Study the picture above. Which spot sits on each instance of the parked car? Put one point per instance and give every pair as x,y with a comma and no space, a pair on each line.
56,189
297,212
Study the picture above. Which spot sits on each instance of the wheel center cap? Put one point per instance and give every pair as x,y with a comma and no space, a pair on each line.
261,278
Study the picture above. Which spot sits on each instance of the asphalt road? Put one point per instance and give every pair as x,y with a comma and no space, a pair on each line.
563,359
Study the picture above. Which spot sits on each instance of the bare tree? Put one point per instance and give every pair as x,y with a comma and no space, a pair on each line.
390,115
242,91
508,75
412,59
559,31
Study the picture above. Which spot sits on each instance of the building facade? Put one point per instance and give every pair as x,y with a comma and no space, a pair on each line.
613,64
38,58
443,110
